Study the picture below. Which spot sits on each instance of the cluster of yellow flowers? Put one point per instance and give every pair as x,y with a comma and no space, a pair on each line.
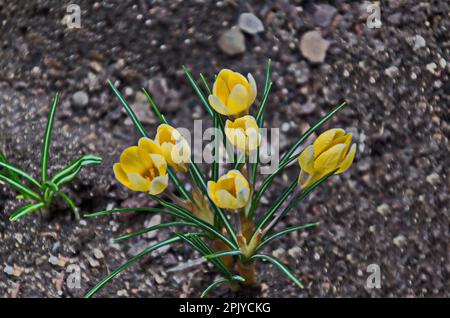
144,167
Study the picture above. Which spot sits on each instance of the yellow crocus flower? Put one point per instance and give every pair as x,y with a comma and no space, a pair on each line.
243,133
231,191
143,168
232,94
330,151
175,148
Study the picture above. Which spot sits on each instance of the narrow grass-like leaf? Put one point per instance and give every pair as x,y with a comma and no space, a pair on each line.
286,231
224,253
48,139
199,92
131,261
11,174
283,268
30,208
23,189
192,218
221,282
72,204
70,171
296,200
140,128
131,210
286,158
154,228
194,240
14,171
281,199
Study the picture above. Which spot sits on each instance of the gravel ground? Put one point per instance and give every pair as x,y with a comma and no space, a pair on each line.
391,208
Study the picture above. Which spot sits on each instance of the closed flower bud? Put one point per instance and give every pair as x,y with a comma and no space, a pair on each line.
175,148
243,133
330,151
143,168
233,94
231,191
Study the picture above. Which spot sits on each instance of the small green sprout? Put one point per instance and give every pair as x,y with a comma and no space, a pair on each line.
40,195
220,218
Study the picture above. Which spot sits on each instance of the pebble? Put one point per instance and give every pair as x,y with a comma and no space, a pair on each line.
80,99
93,263
431,67
391,71
314,47
324,14
418,42
399,240
98,254
433,178
250,23
295,252
232,42
154,220
285,127
307,108
8,270
383,209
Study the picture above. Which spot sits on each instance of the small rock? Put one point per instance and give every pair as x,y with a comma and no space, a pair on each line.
8,270
314,47
431,67
307,108
250,23
98,254
295,252
418,42
93,263
122,293
433,178
232,42
285,127
154,220
18,237
391,71
399,240
279,252
80,99
324,14
57,261
383,209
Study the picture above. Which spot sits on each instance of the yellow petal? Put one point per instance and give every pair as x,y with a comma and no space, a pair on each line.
218,106
226,183
306,159
149,146
225,200
138,183
303,179
160,163
212,187
224,74
236,78
220,89
120,175
159,184
325,139
348,160
253,89
237,101
329,159
131,161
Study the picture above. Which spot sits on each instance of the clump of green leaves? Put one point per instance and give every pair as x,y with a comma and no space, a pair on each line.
232,245
40,193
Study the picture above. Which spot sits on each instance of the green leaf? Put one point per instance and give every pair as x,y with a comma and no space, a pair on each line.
47,139
197,243
286,231
11,174
140,128
281,199
205,82
283,268
14,172
155,108
131,210
69,172
153,228
23,189
297,199
267,86
286,158
220,282
131,261
30,208
192,218
69,201
224,253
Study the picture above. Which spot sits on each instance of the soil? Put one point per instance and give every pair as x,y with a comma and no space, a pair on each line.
391,208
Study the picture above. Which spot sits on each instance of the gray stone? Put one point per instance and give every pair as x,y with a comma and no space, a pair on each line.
80,99
250,23
232,42
314,47
323,15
